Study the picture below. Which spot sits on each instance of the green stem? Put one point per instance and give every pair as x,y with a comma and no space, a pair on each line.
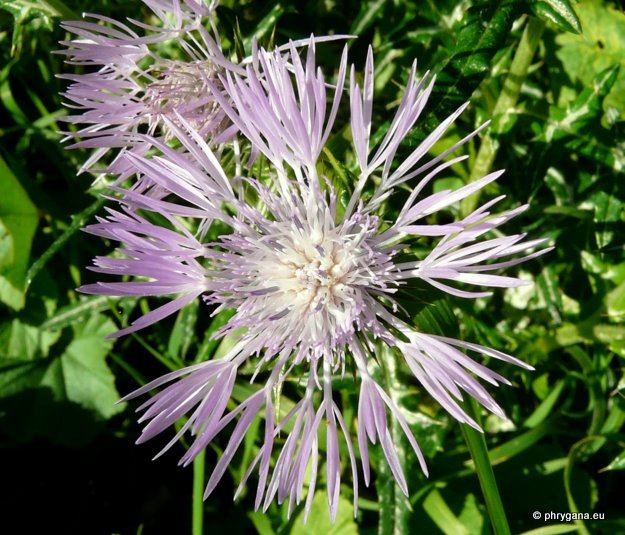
197,512
505,104
395,508
78,221
577,448
479,453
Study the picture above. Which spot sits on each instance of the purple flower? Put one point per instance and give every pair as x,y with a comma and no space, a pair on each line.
134,85
311,280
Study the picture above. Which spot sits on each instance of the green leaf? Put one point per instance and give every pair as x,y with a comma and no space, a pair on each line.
585,108
209,345
486,27
18,221
578,125
616,417
615,302
601,45
369,12
19,340
24,8
608,333
237,37
608,210
33,14
618,463
548,289
560,12
267,24
561,189
7,98
319,518
73,379
520,443
544,409
434,317
553,529
440,513
472,516
261,523
585,492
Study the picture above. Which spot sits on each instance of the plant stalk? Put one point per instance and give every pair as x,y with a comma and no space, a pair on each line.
197,513
479,453
395,508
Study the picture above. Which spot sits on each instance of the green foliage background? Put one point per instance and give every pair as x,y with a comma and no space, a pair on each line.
67,457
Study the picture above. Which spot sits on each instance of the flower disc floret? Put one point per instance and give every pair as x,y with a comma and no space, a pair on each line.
304,281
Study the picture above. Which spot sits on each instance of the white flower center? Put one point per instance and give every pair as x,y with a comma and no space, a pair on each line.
305,281
319,277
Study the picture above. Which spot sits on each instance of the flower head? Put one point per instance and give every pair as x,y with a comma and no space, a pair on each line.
312,281
135,86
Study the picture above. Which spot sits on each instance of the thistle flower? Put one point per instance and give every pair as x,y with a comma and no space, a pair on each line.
133,86
311,281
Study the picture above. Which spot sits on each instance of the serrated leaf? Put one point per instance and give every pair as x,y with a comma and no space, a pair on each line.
560,12
429,433
486,27
578,126
18,221
437,317
585,108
